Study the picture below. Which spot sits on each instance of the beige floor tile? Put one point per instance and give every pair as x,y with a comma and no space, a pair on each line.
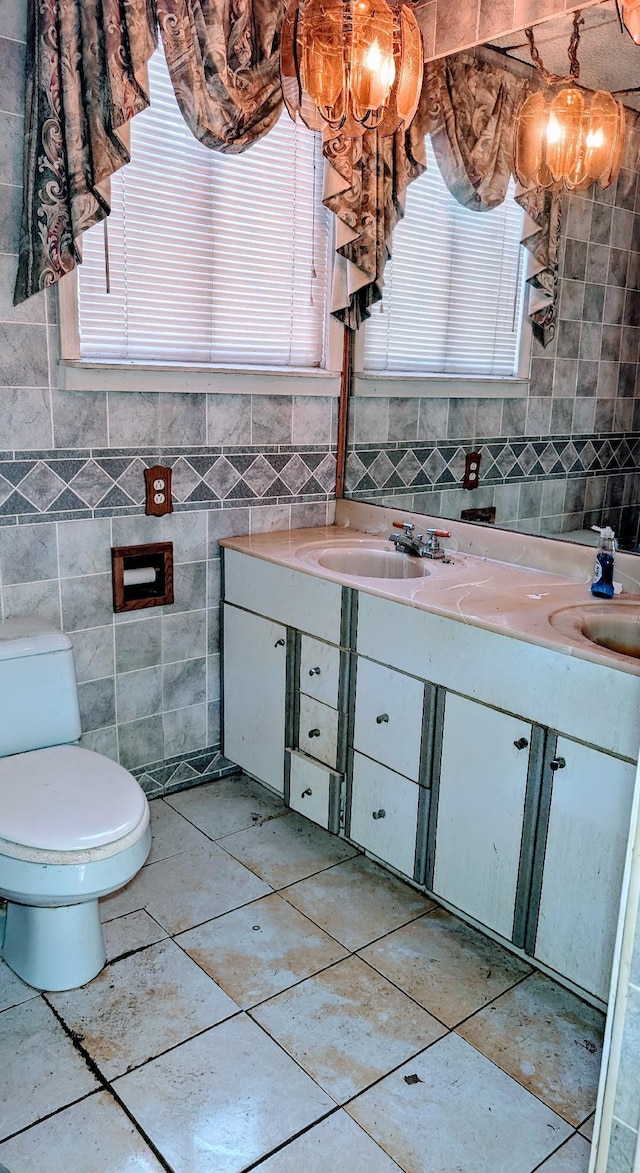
287,849
187,889
227,805
357,901
448,967
337,1145
573,1157
142,1005
260,949
587,1128
450,1109
548,1039
171,833
12,990
94,1136
41,1070
347,1026
135,930
223,1100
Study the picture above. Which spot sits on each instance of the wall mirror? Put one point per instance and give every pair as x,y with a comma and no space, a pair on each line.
556,427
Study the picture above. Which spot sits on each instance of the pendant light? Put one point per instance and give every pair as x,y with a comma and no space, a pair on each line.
352,65
568,137
629,13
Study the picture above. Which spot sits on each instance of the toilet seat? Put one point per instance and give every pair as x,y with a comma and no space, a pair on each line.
67,799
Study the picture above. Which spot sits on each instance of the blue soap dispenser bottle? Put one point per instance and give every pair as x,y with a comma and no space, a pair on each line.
602,584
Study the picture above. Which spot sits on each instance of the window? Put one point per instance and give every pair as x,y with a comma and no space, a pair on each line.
213,258
454,289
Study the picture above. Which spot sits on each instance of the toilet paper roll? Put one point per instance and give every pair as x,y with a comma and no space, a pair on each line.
138,575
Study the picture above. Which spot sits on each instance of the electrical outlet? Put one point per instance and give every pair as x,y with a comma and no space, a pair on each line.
157,482
471,470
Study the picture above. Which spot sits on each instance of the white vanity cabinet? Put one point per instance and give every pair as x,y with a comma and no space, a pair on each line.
480,812
255,675
584,856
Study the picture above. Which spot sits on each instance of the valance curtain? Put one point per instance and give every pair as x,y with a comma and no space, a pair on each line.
86,71
85,80
473,106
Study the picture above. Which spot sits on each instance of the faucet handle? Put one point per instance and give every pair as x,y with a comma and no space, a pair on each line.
407,526
439,533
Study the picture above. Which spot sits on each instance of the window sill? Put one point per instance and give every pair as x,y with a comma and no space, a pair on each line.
396,384
160,377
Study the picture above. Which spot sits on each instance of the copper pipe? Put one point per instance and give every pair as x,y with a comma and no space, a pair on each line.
343,408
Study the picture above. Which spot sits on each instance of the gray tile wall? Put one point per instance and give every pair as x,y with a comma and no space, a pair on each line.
72,486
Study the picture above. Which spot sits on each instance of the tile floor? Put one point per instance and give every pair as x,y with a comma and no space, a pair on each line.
275,1001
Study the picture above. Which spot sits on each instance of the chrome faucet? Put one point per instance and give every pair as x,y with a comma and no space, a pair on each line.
424,545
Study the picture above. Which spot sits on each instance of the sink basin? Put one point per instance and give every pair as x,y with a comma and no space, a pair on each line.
615,626
372,563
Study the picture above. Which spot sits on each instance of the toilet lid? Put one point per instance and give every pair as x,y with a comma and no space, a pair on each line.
67,799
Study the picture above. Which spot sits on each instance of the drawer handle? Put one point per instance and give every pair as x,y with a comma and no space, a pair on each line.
313,733
314,672
383,719
279,643
558,764
306,792
521,743
381,814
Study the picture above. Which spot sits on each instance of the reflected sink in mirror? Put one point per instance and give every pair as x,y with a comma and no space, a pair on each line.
615,625
363,563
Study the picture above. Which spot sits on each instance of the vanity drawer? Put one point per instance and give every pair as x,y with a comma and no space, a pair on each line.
318,730
319,670
388,718
384,813
314,790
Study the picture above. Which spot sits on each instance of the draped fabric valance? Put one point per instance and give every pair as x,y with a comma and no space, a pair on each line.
86,70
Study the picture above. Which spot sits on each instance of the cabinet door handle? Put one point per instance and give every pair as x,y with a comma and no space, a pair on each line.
521,743
558,764
279,643
306,792
381,814
313,733
383,719
314,672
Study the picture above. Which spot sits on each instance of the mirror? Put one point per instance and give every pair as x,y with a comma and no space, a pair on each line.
558,447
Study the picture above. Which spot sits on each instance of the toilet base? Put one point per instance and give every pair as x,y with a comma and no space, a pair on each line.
54,948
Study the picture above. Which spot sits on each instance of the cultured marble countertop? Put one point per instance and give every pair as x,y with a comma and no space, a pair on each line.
475,588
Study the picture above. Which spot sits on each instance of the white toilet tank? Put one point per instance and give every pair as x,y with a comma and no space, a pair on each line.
38,691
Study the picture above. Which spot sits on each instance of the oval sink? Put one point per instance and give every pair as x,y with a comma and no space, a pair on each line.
619,633
367,563
615,626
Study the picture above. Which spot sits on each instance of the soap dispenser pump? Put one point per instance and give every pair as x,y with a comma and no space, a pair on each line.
602,584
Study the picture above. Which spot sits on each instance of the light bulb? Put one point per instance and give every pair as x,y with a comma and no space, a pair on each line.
595,139
554,130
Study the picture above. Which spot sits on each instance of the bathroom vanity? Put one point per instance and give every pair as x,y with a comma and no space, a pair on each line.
456,726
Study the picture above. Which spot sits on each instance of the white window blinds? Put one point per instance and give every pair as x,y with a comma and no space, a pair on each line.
453,291
213,258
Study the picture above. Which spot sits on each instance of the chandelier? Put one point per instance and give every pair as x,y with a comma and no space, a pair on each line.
629,13
353,65
566,136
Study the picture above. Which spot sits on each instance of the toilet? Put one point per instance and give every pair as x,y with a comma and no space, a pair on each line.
74,825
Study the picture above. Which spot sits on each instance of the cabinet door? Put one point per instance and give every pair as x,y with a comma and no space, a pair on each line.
483,780
583,865
388,718
255,673
384,813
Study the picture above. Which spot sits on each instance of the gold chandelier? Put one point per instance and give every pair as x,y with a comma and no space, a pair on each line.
629,11
353,65
568,137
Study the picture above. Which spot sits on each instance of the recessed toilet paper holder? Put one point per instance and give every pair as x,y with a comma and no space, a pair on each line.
142,576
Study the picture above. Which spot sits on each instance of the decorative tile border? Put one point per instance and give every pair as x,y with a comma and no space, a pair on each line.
94,484
403,467
184,771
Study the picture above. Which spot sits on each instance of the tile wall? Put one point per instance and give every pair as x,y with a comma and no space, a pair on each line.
568,454
71,486
448,27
